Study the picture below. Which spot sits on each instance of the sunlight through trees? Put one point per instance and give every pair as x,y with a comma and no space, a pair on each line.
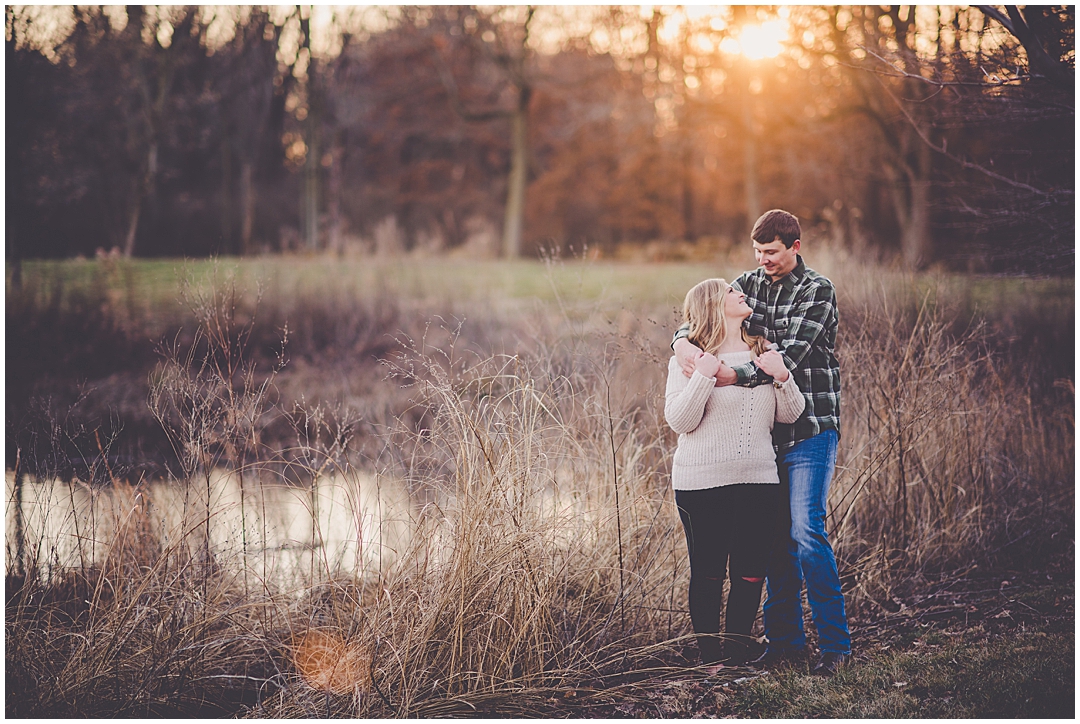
926,134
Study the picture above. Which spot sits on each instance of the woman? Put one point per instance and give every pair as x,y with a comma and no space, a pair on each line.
724,471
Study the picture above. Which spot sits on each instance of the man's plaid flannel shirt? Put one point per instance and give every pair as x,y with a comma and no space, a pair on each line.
798,314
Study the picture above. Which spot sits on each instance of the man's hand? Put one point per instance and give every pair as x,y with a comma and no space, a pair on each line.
686,354
771,363
725,376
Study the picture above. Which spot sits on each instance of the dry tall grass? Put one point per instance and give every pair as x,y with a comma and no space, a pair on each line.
524,542
950,458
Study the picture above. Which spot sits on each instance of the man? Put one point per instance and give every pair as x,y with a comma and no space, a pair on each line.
795,308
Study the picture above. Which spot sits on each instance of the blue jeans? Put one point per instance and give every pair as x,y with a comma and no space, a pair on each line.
806,555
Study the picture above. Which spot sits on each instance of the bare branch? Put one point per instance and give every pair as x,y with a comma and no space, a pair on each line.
990,82
996,15
1038,59
1050,195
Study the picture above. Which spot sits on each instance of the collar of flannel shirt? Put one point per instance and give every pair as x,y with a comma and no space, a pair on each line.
793,278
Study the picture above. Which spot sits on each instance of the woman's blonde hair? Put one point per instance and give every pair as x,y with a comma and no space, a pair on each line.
703,309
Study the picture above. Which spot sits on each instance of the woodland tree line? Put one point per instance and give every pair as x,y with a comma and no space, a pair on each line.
922,134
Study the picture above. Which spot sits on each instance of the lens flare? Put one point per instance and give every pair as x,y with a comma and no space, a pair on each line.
329,663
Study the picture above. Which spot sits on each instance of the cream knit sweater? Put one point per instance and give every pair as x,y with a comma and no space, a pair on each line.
725,432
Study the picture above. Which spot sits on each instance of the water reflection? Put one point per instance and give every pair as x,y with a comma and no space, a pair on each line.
284,535
288,537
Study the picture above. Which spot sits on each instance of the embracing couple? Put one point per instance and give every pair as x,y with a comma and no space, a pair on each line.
754,392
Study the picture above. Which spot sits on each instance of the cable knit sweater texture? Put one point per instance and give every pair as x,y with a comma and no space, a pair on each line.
725,433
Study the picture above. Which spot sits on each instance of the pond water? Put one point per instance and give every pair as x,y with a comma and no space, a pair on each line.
286,535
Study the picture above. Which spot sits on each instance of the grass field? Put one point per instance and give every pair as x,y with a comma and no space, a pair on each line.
474,467
153,284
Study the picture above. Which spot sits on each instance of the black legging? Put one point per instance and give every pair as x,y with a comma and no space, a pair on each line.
728,526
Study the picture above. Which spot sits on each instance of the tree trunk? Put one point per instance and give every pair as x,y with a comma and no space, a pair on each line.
333,199
912,171
247,206
311,195
916,241
143,187
515,195
753,197
746,99
133,224
688,191
226,197
911,188
310,201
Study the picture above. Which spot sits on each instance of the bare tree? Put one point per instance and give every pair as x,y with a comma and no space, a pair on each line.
502,37
153,68
1008,88
249,81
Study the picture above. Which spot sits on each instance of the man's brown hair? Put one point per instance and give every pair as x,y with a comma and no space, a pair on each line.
776,224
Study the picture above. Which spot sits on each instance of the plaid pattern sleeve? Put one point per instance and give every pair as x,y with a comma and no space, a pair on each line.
799,314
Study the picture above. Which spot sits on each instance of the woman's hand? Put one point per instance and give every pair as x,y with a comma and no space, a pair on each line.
687,355
772,364
707,364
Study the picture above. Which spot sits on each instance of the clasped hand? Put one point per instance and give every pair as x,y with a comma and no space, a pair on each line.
691,358
771,363
707,364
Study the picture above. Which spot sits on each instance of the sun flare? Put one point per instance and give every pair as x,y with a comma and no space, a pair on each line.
328,663
758,42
